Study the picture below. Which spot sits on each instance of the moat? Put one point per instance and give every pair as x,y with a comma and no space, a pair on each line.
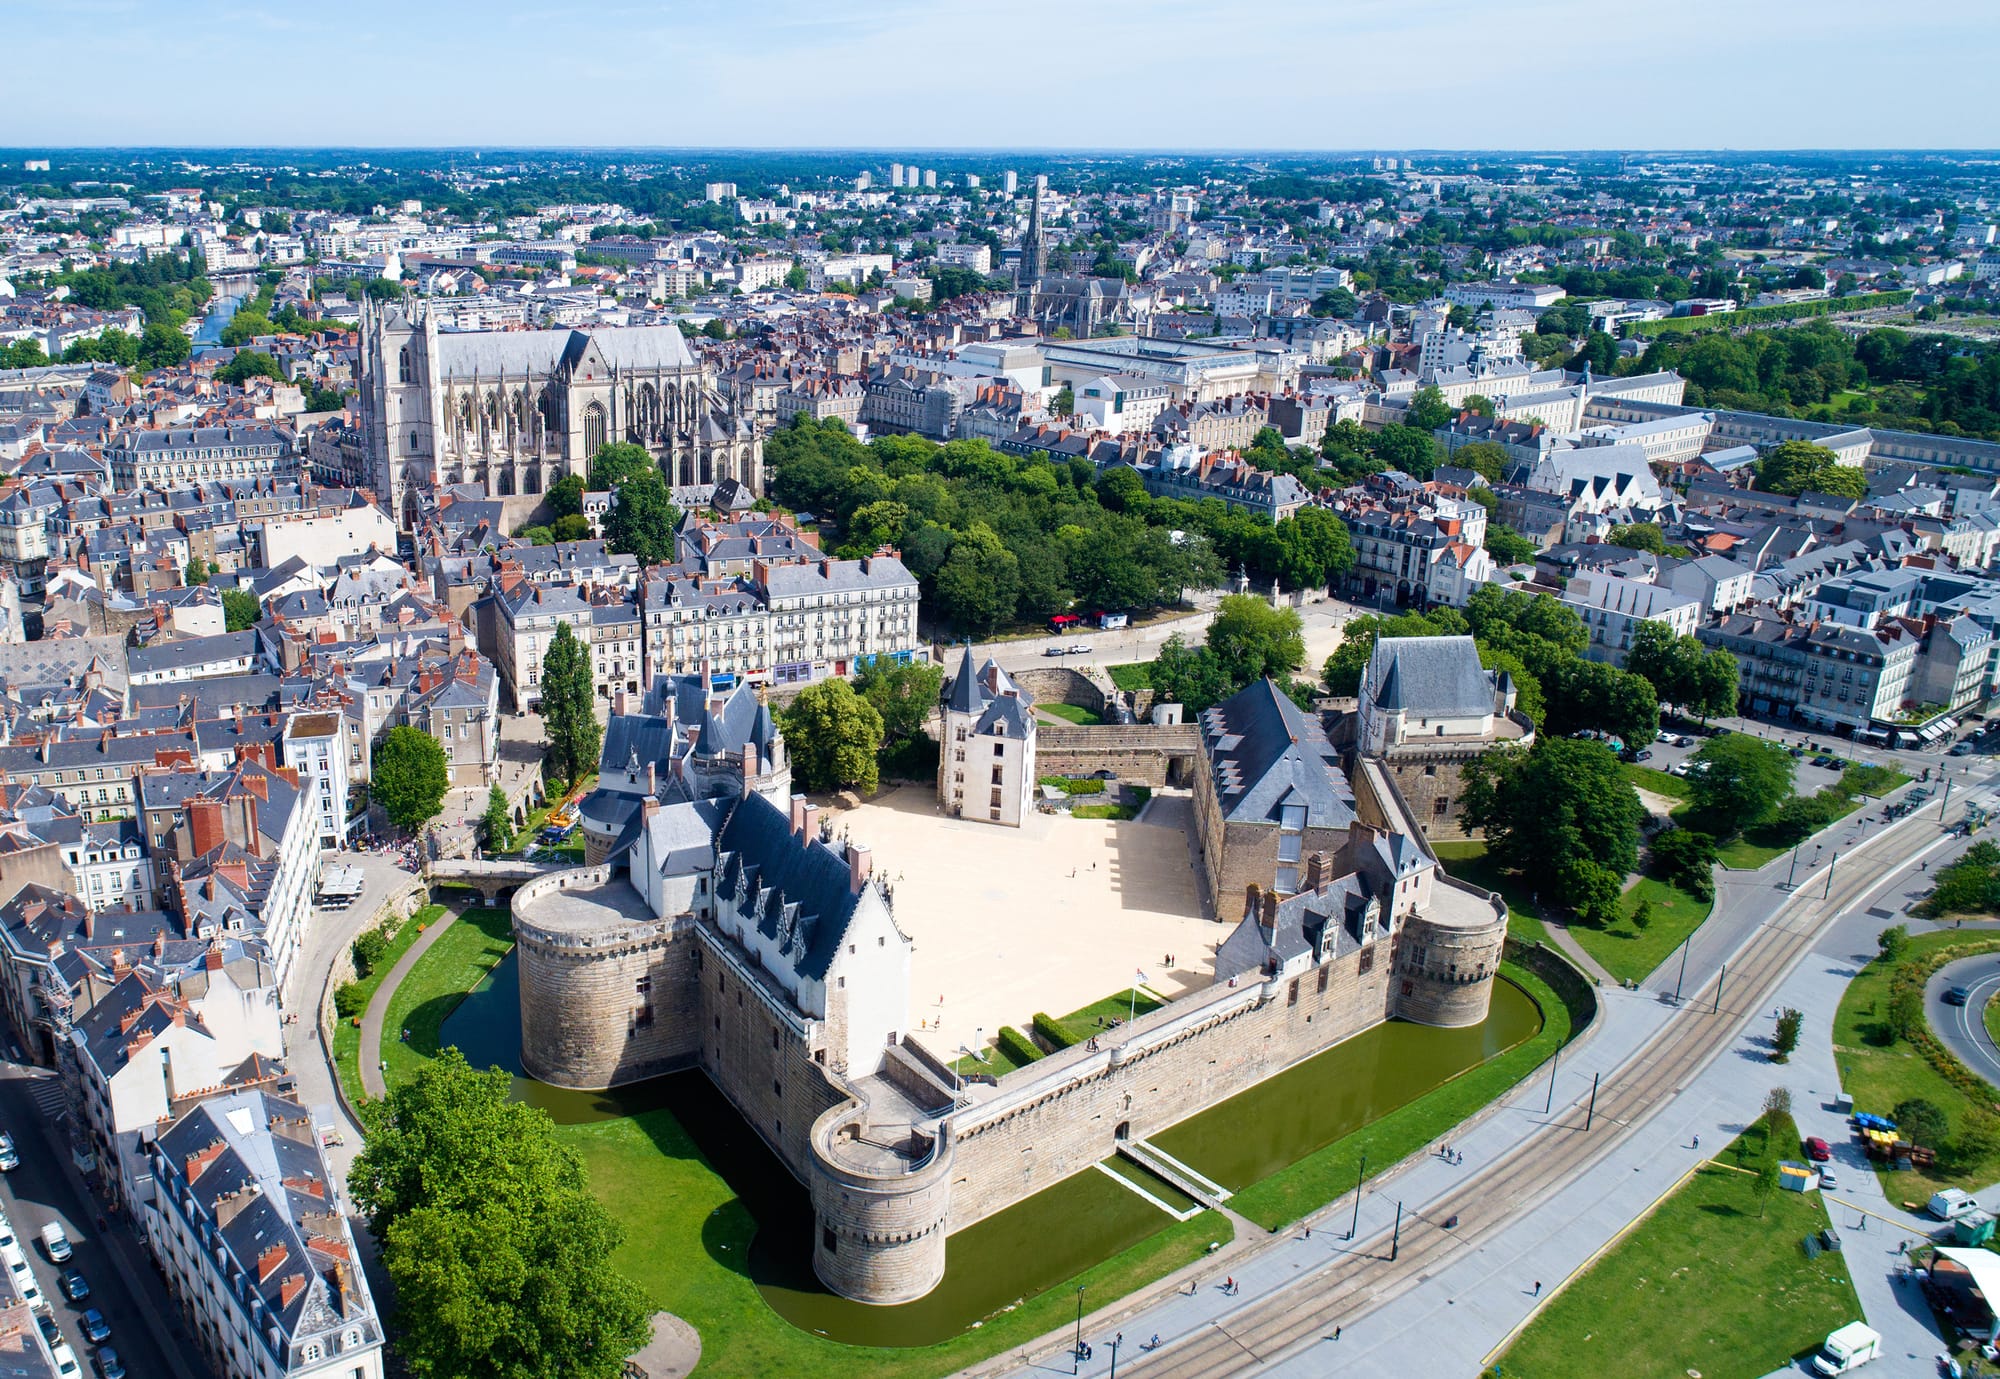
1051,1236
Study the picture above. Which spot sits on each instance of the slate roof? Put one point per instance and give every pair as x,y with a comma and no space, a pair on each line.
1430,677
1264,754
798,890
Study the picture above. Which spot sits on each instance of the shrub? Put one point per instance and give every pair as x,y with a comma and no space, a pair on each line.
1894,942
369,949
1017,1045
1054,1032
1686,858
1075,785
350,999
1789,1021
1921,1122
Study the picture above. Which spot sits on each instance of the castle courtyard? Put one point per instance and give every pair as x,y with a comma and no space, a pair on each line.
1051,916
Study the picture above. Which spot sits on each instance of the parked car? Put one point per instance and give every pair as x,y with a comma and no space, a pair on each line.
1645,755
1081,649
1961,749
1055,651
66,1365
1826,1178
1958,996
50,1331
56,1241
1817,1149
74,1285
109,1365
95,1329
1663,736
10,1157
1951,1203
1679,768
1823,761
22,1277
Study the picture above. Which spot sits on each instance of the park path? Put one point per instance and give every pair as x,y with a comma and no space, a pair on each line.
378,1006
1560,935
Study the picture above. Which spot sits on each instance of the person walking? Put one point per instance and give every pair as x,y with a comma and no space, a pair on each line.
1538,1287
1336,1333
1697,1143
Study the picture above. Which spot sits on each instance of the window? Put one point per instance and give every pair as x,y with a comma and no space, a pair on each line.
828,1240
413,442
999,749
406,373
1367,965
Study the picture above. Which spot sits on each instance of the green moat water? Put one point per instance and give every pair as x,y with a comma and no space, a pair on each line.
1052,1236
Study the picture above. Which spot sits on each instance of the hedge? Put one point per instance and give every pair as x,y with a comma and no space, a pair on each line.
1075,785
1054,1032
1017,1045
1758,315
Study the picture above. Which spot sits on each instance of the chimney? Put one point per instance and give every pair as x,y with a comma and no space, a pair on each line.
648,807
1270,917
652,782
1316,872
620,709
860,864
1252,898
204,818
811,824
798,814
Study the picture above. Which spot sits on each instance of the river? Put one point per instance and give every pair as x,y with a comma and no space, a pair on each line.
230,295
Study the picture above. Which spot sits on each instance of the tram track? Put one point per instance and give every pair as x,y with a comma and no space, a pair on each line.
1279,1325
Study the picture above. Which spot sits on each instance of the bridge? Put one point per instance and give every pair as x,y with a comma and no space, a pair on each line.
489,878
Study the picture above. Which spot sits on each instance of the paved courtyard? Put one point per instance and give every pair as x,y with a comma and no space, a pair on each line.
1050,917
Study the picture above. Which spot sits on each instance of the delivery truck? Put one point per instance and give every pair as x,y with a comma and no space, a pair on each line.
1848,1348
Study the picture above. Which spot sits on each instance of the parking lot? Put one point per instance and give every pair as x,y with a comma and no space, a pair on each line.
1809,778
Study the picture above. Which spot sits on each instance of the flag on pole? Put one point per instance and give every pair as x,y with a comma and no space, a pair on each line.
1139,973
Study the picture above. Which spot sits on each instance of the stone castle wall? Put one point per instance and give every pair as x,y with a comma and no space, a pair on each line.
1448,972
1140,753
1060,685
1430,779
880,1219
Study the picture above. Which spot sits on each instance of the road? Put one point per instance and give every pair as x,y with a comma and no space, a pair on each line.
1537,1182
1962,1027
146,1330
1321,625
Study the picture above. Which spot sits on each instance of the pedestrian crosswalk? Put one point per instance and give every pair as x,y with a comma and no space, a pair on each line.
47,1094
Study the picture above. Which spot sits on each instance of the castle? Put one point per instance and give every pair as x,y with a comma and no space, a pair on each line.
730,931
986,763
516,410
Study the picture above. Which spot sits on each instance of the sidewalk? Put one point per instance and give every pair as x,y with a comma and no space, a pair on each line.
378,1006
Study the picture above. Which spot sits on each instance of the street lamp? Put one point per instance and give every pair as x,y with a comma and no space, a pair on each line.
1076,1352
1116,1341
1360,1176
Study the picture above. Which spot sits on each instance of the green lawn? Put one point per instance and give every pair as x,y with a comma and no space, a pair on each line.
1873,780
1070,713
1465,858
1703,1285
1659,782
997,1062
1879,1071
455,964
1325,1174
1629,953
1131,675
1118,1006
1753,847
347,1033
682,1221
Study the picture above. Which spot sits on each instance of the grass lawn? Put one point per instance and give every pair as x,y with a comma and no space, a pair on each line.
1630,953
347,1033
1659,782
1753,847
1114,1007
1325,1174
1131,675
1070,713
1873,780
1702,1285
1465,858
455,964
1880,1071
681,1220
997,1062
525,835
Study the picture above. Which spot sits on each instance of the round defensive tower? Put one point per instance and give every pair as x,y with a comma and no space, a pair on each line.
598,979
1449,955
881,1197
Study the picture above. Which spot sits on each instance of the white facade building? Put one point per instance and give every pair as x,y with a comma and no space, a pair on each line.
986,765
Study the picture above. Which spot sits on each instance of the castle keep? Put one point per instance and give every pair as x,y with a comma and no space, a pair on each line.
720,928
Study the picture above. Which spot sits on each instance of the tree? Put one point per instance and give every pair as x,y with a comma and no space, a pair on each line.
410,777
1642,916
1408,448
1786,1038
162,346
1686,858
565,496
1921,1122
1312,548
249,364
833,735
1978,1136
574,527
1905,1015
1507,546
495,827
1639,536
1794,467
240,609
1427,411
536,536
1894,942
642,519
614,463
569,707
1190,676
1564,813
980,584
905,694
1766,1181
196,573
1740,779
1252,640
1595,695
499,1254
1778,1102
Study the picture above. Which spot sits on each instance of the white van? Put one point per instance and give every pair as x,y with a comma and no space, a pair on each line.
21,1276
1951,1204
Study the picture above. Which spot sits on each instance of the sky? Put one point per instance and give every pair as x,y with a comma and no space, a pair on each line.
1369,75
